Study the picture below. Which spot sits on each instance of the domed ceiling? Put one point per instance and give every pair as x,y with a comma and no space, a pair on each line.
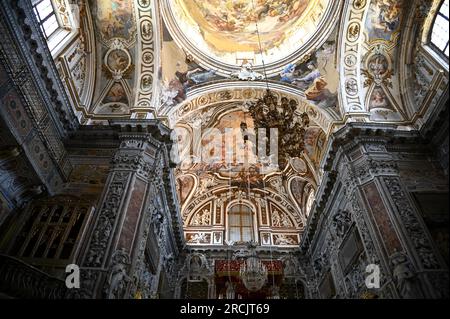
223,33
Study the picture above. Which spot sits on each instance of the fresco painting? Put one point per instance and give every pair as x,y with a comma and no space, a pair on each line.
179,74
297,189
185,186
116,94
118,60
379,100
381,107
114,18
317,77
230,25
314,144
231,120
378,65
384,18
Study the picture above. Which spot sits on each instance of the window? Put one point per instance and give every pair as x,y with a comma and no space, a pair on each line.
240,223
46,16
439,32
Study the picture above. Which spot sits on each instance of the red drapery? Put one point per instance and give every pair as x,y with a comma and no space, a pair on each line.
232,267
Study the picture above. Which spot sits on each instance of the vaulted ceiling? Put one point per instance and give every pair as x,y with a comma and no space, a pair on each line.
185,61
146,59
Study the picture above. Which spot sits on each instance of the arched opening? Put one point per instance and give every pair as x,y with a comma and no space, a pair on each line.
439,31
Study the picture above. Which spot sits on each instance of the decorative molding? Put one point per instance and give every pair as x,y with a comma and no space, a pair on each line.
415,230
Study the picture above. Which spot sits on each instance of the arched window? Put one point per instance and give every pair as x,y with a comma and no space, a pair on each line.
439,31
45,13
240,223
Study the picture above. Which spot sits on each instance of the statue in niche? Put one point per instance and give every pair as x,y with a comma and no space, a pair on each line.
118,281
118,278
266,239
405,277
157,221
146,283
217,237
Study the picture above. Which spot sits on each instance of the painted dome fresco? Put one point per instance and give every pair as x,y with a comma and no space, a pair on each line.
224,32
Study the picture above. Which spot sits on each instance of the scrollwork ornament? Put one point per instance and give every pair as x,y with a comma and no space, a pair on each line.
411,223
104,227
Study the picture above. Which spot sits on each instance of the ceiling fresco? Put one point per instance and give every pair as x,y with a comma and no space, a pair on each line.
125,63
207,189
115,35
222,148
225,31
382,35
114,19
156,58
229,26
213,151
139,51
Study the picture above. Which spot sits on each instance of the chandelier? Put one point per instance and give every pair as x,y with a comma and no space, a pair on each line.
269,113
253,272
